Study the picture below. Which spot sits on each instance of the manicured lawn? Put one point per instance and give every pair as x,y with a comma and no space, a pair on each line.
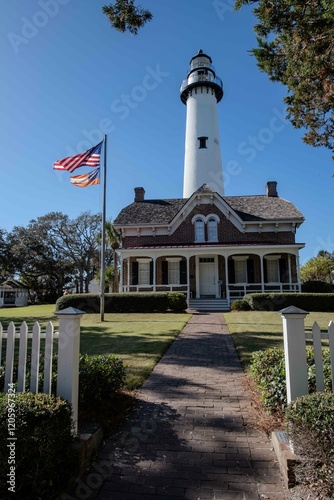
139,339
258,330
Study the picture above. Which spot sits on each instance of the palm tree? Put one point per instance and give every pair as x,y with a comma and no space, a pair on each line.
113,241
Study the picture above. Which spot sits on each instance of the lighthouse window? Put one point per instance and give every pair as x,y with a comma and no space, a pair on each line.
202,142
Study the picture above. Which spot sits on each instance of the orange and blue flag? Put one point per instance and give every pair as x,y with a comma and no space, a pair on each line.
85,180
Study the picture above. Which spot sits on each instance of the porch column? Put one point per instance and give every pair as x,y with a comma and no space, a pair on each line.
298,272
262,273
197,276
226,277
120,285
154,273
188,278
128,274
289,269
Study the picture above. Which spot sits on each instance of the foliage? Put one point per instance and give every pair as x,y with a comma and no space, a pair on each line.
276,301
100,378
43,445
145,302
316,287
177,301
320,268
125,16
295,48
310,424
112,242
240,305
53,251
268,371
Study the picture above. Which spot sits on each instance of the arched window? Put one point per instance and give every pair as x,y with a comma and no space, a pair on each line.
212,229
199,231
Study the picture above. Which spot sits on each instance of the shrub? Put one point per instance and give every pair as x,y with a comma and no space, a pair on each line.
277,301
177,301
313,286
43,447
240,305
146,302
310,424
100,377
268,371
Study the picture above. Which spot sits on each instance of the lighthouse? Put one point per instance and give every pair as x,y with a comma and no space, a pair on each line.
200,92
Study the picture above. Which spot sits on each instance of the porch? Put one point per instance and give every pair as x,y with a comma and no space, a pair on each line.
210,273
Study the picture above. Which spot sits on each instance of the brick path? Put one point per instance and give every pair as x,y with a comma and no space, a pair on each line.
188,438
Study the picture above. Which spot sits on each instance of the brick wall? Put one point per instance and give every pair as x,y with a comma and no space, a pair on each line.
227,233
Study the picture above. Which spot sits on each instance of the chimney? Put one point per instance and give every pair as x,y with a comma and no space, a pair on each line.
139,194
271,189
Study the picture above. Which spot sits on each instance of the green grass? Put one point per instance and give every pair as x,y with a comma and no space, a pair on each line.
258,330
139,339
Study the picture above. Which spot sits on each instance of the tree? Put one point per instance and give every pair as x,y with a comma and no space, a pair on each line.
54,252
125,16
319,268
296,48
113,242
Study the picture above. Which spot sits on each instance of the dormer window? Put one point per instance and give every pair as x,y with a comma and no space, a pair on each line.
206,228
202,142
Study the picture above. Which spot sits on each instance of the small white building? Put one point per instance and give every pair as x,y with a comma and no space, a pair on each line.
13,294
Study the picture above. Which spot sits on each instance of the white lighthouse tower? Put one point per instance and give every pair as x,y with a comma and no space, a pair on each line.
200,92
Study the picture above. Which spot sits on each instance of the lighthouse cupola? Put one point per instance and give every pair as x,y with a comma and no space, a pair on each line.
200,92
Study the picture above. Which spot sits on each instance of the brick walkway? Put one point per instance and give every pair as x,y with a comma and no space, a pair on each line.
190,436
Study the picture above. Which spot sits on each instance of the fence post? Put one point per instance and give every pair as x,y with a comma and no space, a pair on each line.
295,352
68,357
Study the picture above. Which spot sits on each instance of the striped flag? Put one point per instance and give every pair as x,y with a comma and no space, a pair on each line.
85,180
90,158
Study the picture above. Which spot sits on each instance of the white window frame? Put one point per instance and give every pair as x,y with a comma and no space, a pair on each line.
199,224
144,271
212,229
273,272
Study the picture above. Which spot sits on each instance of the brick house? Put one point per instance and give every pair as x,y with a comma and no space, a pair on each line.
210,246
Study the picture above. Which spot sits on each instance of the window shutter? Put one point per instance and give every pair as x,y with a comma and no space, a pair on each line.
265,272
231,273
164,272
135,273
183,272
151,272
283,271
250,271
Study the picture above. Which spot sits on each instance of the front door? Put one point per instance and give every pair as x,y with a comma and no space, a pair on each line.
207,277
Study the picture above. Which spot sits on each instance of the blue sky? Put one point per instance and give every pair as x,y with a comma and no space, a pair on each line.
67,78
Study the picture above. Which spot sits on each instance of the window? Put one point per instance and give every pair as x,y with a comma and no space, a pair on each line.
174,272
240,270
202,142
212,230
273,271
144,273
199,231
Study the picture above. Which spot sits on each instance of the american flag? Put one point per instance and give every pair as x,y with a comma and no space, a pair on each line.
90,158
85,180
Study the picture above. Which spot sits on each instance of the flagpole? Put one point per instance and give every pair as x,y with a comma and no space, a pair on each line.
103,239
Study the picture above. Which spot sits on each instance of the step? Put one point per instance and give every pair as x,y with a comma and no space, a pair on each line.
209,304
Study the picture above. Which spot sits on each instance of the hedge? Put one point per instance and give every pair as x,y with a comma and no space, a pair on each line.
145,302
310,425
319,302
42,452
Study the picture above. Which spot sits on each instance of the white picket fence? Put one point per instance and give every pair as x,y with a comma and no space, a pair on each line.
295,352
68,338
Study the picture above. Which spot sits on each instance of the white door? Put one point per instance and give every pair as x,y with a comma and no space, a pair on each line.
207,278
